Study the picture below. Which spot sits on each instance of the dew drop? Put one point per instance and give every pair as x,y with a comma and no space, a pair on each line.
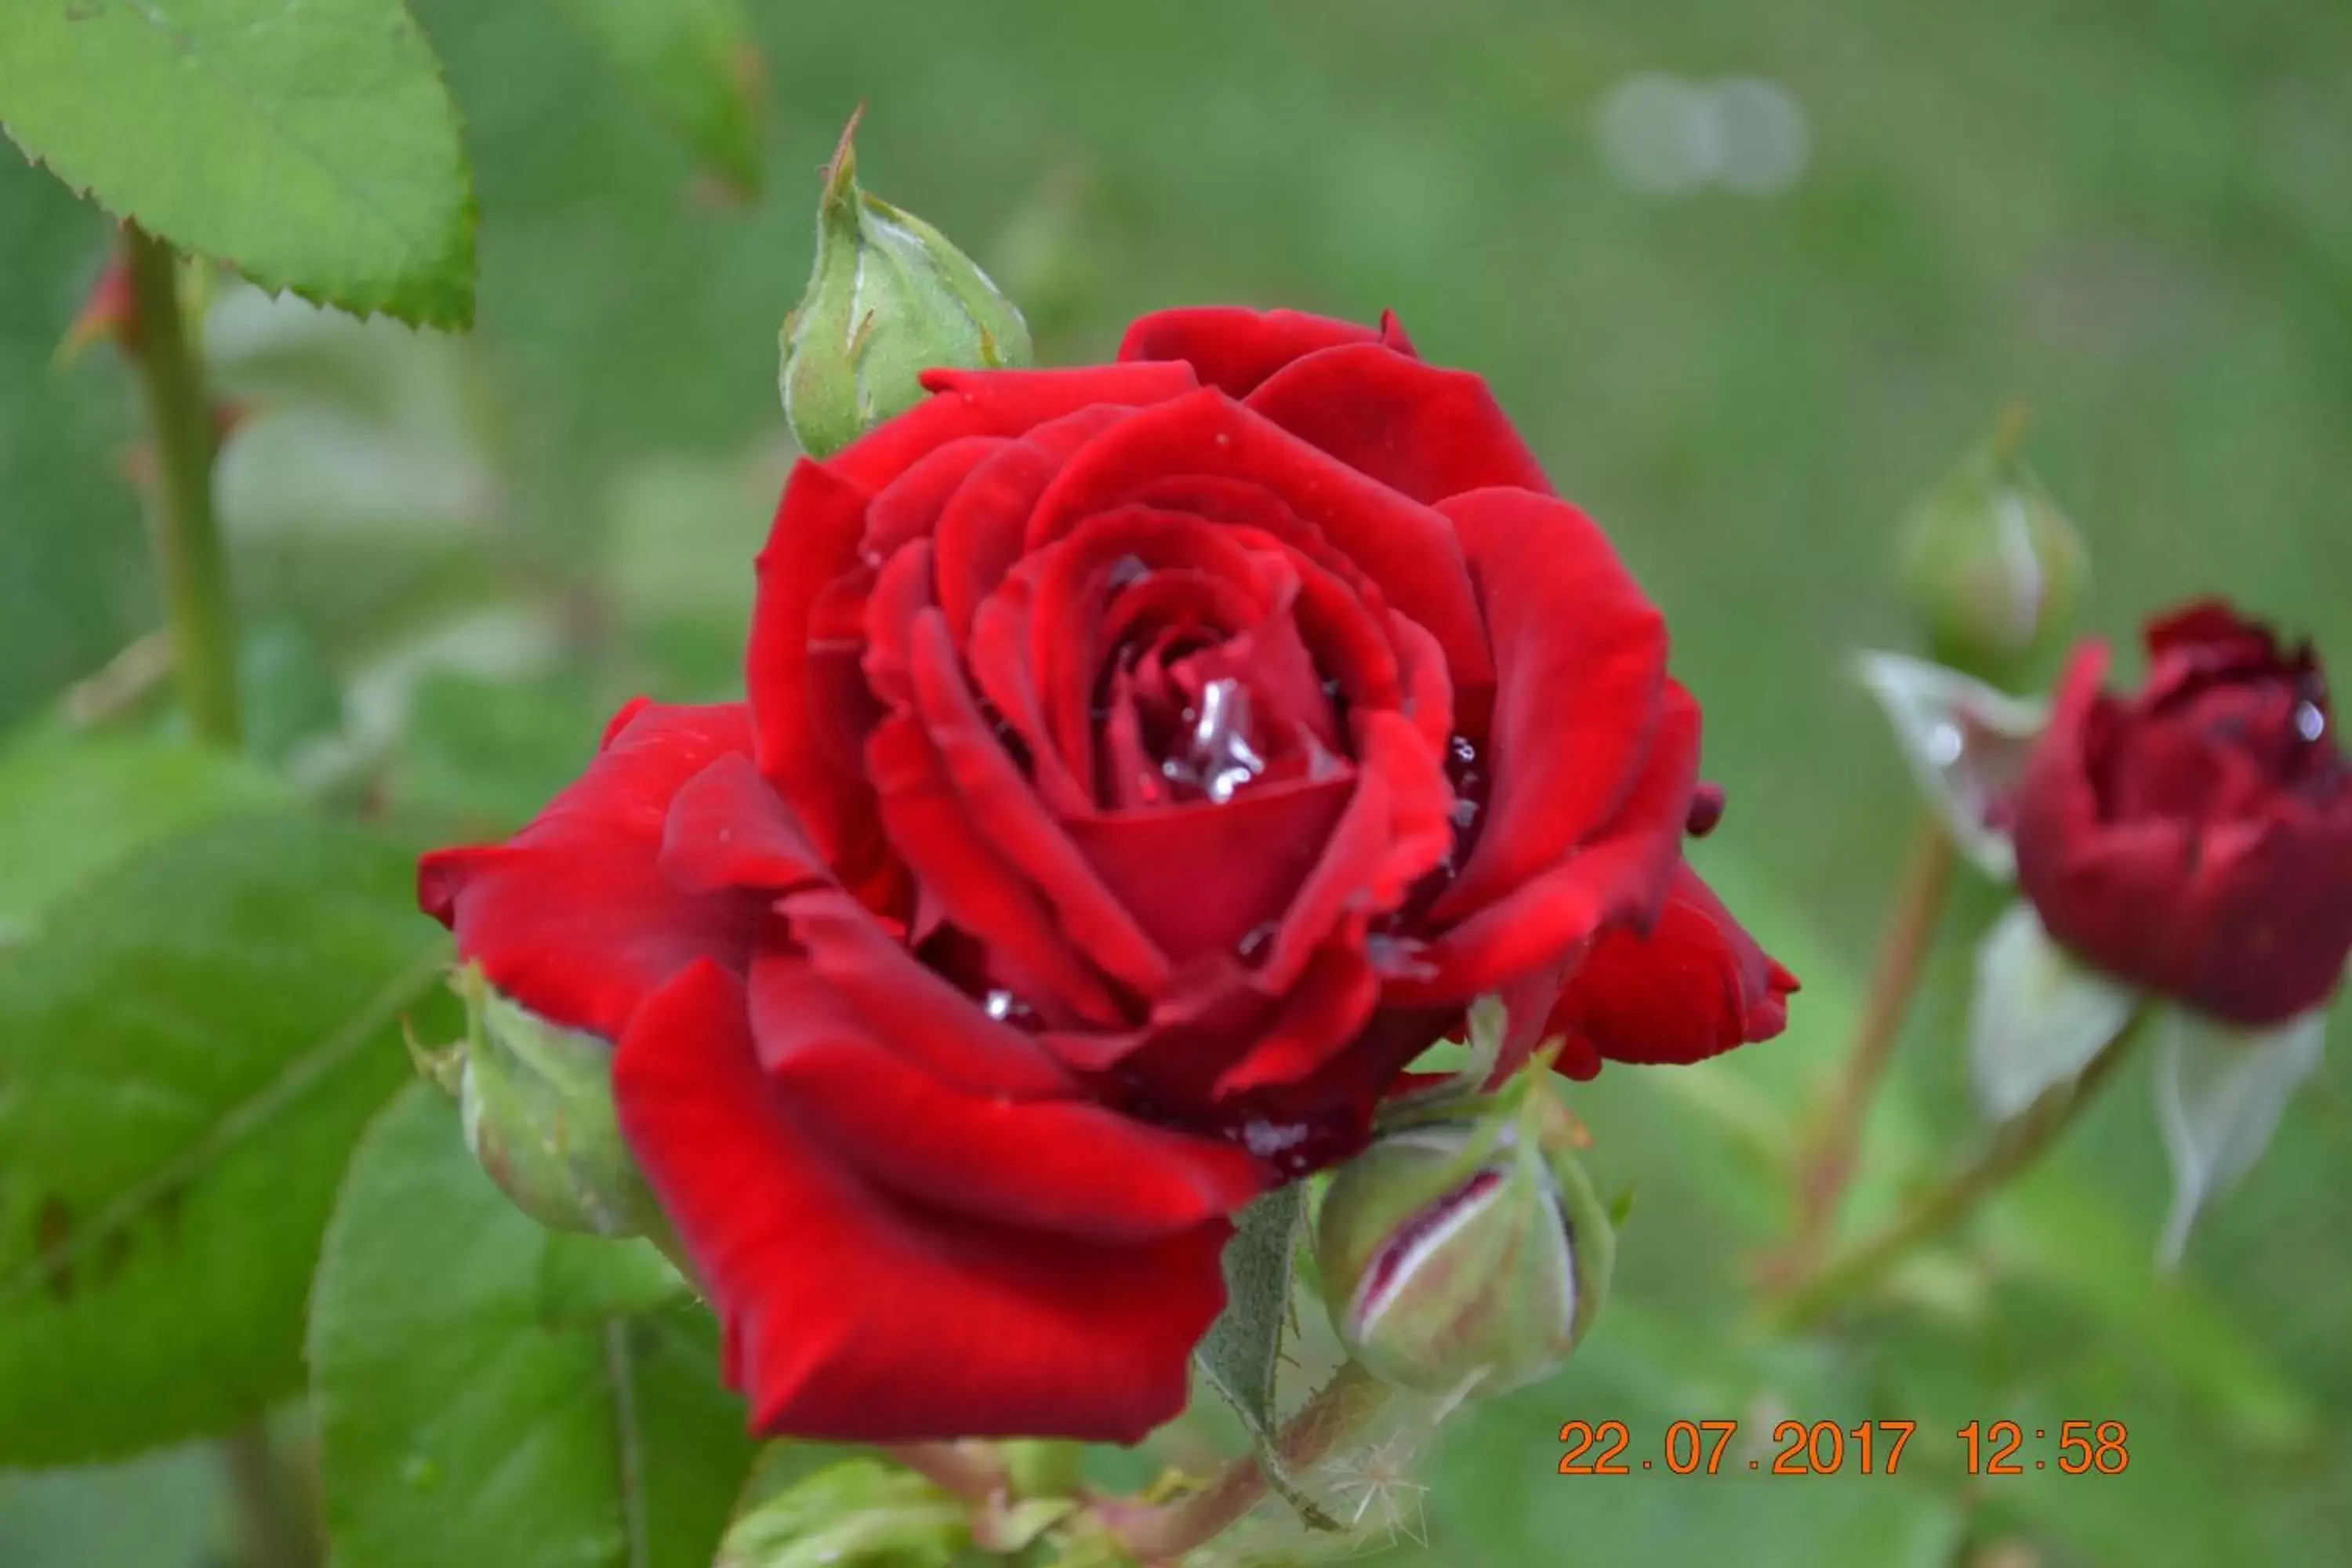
1945,744
419,1474
1005,1007
2310,722
1255,941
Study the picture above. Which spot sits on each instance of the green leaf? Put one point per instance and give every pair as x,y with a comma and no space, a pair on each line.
859,1513
1242,1349
472,1405
71,806
312,147
694,63
186,1052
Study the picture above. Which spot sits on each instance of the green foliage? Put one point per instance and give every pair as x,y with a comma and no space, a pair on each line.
694,63
186,1052
311,147
858,1513
489,1392
1242,1350
72,807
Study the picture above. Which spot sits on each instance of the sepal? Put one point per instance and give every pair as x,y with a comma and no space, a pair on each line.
1966,744
2220,1092
2039,1014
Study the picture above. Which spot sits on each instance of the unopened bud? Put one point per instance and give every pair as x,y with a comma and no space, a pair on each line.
889,299
536,1101
1469,1252
1990,564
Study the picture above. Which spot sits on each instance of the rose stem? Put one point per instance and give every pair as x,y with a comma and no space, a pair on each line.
271,1530
1163,1534
1828,1165
2013,1147
969,1472
182,531
185,538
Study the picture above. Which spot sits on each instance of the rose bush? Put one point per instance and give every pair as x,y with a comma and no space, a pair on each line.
1142,765
2194,838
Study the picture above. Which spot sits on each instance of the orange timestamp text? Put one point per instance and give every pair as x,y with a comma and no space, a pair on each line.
1829,1449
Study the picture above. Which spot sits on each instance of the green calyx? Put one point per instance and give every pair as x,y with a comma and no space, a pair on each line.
1989,565
890,297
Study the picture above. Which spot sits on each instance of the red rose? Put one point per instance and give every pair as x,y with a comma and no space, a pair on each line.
2196,839
1145,763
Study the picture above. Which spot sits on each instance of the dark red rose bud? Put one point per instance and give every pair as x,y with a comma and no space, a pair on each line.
2194,838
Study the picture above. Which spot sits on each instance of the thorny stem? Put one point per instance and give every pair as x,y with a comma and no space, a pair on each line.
1160,1535
2013,1147
184,532
1824,1171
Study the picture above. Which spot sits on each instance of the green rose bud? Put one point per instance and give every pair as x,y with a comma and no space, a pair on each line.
889,299
1467,1252
1990,564
536,1101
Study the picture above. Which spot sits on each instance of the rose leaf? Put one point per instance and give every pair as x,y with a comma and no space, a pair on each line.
490,1392
188,1045
313,148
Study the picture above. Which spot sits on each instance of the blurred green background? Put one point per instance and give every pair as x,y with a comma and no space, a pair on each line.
457,556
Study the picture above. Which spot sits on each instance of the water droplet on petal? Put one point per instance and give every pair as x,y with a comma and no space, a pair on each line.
1945,744
2310,722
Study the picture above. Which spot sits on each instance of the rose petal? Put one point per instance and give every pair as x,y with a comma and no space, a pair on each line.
978,534
1409,550
1061,1165
1000,812
1576,692
813,541
962,869
998,403
1232,348
1620,875
728,829
1694,986
908,508
854,1315
1256,849
848,966
573,917
1427,431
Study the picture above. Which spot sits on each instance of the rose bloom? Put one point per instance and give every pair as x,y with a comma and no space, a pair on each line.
2194,838
1143,764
